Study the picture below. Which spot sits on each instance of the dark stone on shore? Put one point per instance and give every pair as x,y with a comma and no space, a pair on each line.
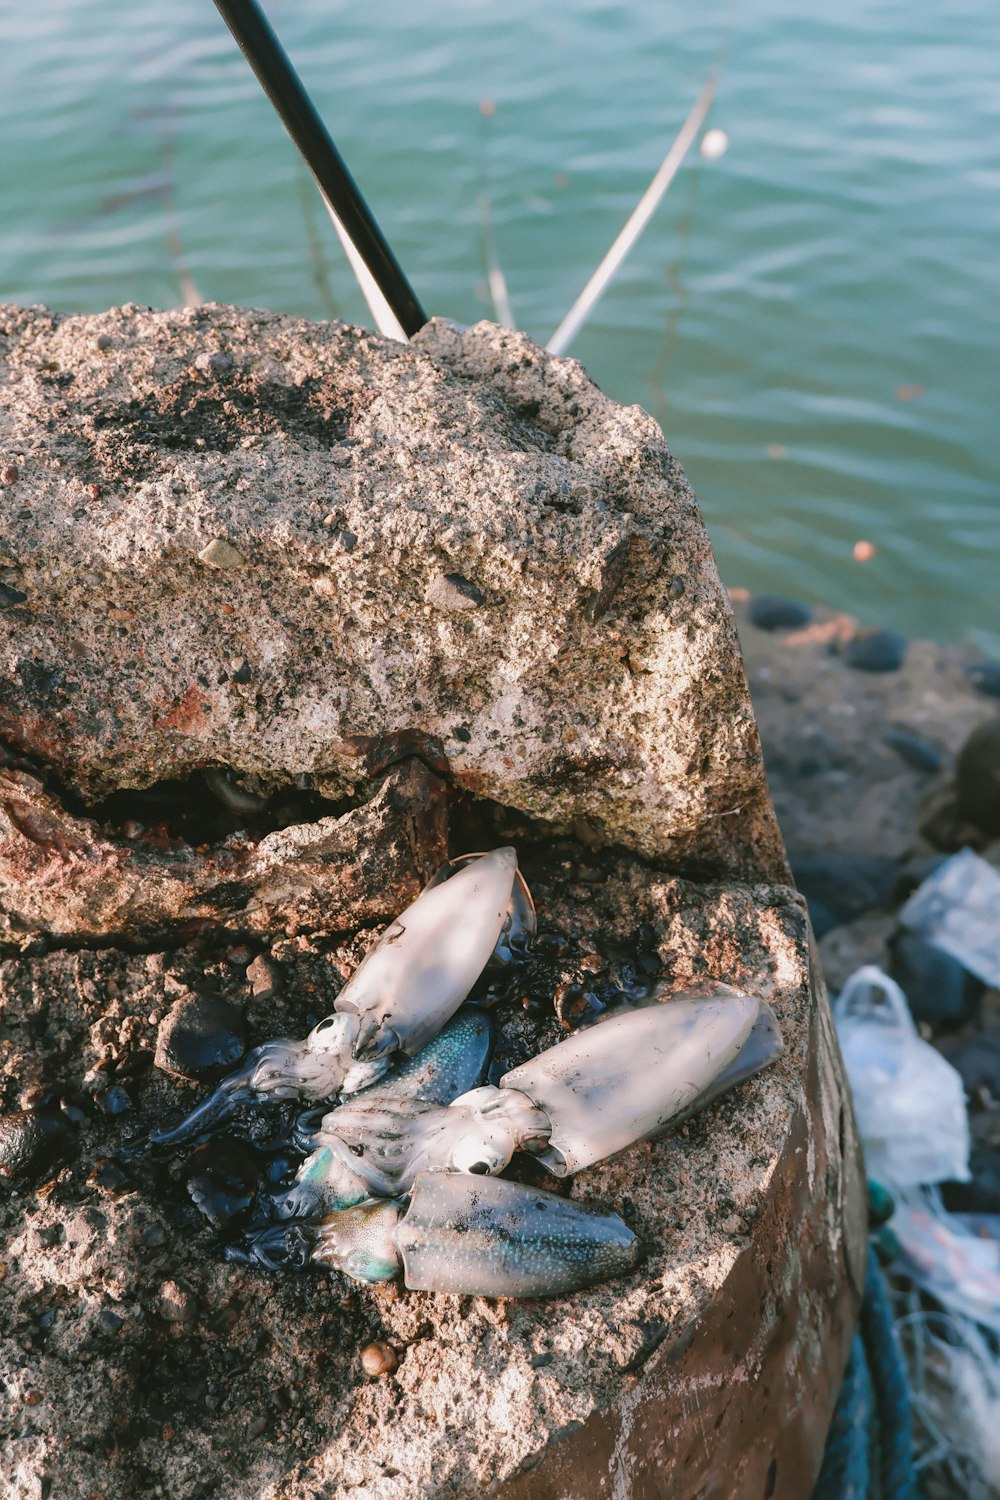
982,1194
881,1204
840,887
32,1142
914,750
774,612
977,777
941,823
985,678
876,651
940,991
201,1037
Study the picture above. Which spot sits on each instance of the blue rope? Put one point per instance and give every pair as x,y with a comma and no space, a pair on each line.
892,1394
869,1449
846,1472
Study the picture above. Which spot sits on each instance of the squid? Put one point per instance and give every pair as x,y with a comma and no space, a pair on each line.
587,1098
484,1236
409,984
405,1142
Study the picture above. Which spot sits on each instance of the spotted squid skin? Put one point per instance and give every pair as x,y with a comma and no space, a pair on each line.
387,1114
454,1061
490,1237
478,1236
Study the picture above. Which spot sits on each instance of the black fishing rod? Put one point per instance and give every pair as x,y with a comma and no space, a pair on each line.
283,87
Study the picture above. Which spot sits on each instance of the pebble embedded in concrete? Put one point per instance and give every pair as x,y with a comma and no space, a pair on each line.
33,1141
221,554
178,1304
263,977
378,1359
450,591
201,1037
218,362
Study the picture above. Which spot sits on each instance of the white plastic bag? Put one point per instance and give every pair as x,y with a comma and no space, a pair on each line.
958,909
908,1099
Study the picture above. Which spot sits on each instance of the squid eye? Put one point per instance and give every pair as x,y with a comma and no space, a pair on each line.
325,1025
477,1156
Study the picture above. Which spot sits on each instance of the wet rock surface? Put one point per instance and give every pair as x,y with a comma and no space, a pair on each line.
832,738
940,991
876,651
512,529
977,777
774,612
839,887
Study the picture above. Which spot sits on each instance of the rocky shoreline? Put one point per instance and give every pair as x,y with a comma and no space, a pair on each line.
876,776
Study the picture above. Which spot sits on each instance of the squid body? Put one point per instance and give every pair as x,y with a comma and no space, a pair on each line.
411,981
580,1101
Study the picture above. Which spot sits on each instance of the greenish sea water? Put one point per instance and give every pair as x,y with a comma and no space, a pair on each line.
813,317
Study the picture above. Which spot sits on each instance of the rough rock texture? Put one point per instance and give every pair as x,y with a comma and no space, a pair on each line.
326,550
250,565
69,878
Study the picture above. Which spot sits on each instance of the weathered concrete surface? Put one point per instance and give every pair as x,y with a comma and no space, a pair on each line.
739,1403
318,550
706,1373
66,878
371,572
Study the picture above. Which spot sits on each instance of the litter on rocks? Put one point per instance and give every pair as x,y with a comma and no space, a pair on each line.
912,1118
894,1074
958,909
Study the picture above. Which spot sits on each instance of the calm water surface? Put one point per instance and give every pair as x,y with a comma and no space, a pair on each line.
813,318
